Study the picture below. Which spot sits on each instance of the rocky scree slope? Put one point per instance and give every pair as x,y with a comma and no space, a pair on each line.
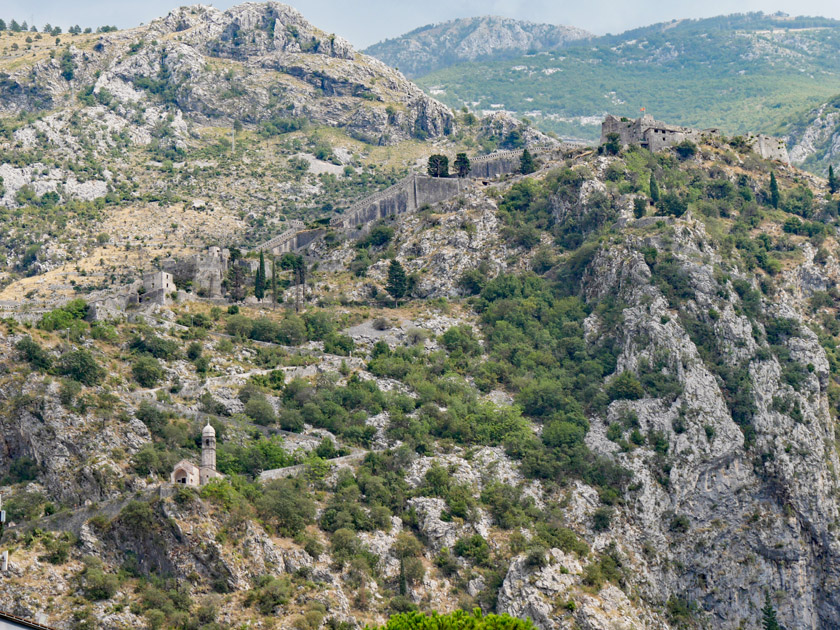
436,46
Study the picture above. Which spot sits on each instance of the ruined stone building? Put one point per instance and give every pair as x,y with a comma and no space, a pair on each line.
204,272
188,474
157,286
655,135
650,133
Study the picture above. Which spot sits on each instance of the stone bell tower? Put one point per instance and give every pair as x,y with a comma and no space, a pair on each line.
207,470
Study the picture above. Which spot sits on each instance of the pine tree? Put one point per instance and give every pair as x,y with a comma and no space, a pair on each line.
2,25
526,163
14,26
768,616
259,281
774,191
462,165
397,282
833,184
654,189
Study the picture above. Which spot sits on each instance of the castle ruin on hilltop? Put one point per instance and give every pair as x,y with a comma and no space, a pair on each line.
655,135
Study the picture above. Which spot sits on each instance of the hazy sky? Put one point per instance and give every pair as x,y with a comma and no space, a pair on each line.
365,22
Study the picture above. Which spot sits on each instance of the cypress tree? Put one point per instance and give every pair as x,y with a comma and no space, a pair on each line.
833,184
774,191
274,281
259,281
526,163
397,283
462,165
654,189
768,616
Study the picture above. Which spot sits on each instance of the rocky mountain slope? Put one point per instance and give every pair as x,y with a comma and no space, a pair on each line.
217,125
602,395
484,38
741,73
589,410
814,137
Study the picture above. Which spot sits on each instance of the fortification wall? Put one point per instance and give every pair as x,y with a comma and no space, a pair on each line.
432,190
769,148
490,169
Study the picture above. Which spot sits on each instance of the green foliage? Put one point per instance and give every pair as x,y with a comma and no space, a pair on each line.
768,616
67,65
378,236
156,346
462,165
285,504
438,166
526,163
397,281
260,410
147,371
269,593
32,352
461,340
260,280
654,188
458,620
63,317
473,547
96,584
80,365
774,191
625,386
686,149
24,506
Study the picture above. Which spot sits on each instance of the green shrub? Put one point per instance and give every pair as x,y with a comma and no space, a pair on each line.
625,386
286,504
458,620
260,410
147,371
473,547
32,352
80,365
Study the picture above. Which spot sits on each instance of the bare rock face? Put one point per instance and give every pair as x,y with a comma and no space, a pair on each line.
56,439
283,67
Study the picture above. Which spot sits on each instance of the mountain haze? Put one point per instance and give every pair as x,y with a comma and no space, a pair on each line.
740,73
485,38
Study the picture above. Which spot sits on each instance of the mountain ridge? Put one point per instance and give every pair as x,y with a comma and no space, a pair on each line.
435,46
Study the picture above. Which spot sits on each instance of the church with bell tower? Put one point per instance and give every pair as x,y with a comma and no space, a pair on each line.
187,473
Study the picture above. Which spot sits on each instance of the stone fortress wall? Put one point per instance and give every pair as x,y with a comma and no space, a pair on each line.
409,195
656,135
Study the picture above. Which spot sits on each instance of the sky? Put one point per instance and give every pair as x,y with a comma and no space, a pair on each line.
365,22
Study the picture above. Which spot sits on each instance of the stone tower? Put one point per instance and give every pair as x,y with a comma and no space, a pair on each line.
208,455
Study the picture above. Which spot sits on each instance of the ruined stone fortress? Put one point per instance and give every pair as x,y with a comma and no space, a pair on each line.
655,135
